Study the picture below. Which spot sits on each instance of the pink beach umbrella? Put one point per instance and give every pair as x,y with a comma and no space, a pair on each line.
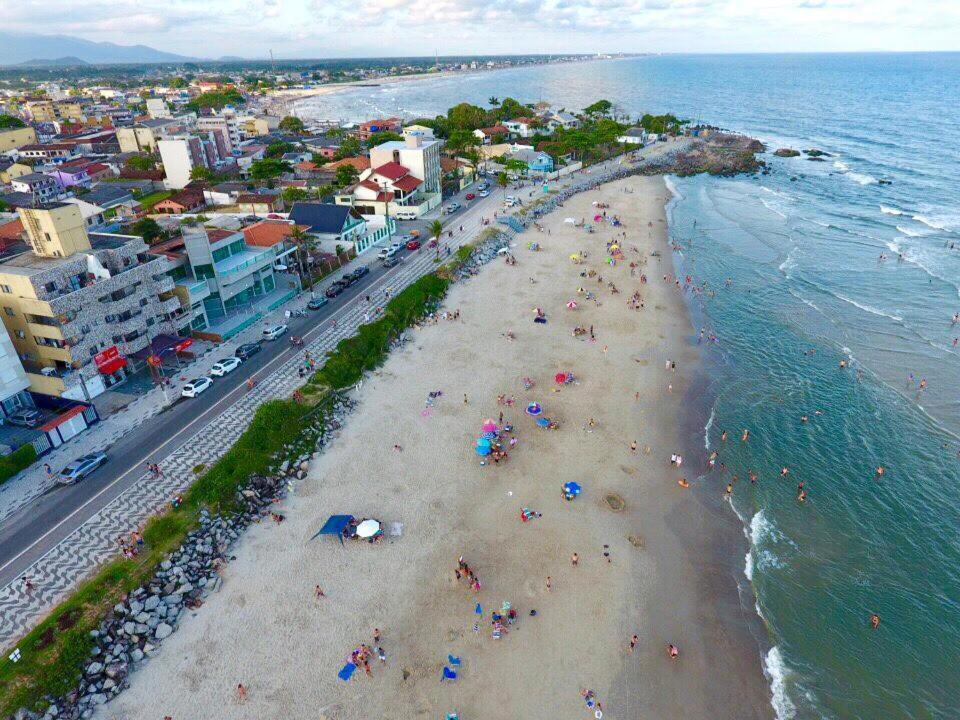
489,426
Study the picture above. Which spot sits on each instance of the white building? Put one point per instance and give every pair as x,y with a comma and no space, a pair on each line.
181,154
421,156
634,136
226,122
157,108
13,378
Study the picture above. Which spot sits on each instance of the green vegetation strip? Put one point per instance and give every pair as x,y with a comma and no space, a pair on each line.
148,201
16,461
53,654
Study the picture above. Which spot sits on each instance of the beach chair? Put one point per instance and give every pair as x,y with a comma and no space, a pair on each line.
448,674
453,660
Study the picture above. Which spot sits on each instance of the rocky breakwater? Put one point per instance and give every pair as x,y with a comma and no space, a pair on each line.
483,252
134,629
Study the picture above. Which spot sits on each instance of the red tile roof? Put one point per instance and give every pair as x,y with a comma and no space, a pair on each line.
268,233
218,234
11,230
495,130
360,163
407,184
254,199
392,170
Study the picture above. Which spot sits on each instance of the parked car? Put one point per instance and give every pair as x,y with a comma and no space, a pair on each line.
247,350
360,272
470,196
227,365
195,387
396,247
383,254
80,468
483,186
390,262
484,193
335,289
317,303
25,418
272,333
413,244
451,208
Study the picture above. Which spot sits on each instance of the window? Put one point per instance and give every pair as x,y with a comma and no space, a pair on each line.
50,287
93,351
6,289
9,311
221,254
144,302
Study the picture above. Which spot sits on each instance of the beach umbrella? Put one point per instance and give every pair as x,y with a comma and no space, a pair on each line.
483,442
483,450
368,528
543,422
597,218
572,305
560,378
489,426
572,488
534,409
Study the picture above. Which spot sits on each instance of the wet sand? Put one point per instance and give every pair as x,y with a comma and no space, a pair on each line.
668,578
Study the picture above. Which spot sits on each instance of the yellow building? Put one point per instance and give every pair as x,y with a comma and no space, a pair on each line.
13,171
54,111
15,138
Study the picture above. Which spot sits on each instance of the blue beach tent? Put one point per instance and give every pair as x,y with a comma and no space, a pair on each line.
334,526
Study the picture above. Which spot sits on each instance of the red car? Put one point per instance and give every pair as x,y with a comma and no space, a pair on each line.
469,196
413,244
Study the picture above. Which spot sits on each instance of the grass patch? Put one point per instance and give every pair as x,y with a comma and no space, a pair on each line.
23,457
151,199
53,653
367,349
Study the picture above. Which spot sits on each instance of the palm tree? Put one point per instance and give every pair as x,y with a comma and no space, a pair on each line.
503,181
494,101
436,229
302,242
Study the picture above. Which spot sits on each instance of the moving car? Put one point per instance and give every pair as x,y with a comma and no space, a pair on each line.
451,208
413,244
358,273
383,254
247,349
25,418
195,387
483,186
317,303
470,196
272,333
80,468
227,365
484,193
390,262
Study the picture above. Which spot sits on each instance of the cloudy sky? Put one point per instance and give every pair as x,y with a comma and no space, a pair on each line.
330,28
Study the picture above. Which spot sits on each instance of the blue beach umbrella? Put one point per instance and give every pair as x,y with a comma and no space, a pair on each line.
572,488
543,422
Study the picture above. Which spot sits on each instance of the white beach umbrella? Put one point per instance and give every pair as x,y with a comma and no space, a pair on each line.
368,528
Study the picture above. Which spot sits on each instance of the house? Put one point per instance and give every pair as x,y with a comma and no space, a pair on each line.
187,201
368,129
634,136
42,187
262,204
487,134
75,173
338,225
421,130
11,232
322,145
107,196
275,234
48,153
526,127
360,163
93,215
14,200
562,119
295,157
10,170
16,138
537,162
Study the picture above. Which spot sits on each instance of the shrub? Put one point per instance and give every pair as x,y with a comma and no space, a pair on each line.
22,457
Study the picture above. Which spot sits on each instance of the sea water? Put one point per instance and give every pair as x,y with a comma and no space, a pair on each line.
810,265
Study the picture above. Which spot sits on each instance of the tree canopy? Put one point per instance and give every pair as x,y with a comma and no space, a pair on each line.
216,99
466,117
382,137
141,162
345,175
268,168
600,107
278,148
9,122
661,123
292,124
350,147
147,228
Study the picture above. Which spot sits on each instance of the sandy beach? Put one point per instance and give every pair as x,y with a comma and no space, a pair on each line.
650,562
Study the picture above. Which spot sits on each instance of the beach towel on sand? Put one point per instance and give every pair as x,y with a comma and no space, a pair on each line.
346,672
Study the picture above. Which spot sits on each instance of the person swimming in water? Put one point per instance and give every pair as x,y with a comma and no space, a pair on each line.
874,621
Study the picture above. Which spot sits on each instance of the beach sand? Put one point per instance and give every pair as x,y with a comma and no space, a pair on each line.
664,580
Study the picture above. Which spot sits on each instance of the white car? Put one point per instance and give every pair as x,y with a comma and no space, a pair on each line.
227,365
509,200
483,193
272,333
195,387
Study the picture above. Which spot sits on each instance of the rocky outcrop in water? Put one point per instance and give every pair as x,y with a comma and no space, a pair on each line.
787,153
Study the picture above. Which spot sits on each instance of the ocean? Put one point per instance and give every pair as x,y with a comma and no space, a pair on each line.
813,265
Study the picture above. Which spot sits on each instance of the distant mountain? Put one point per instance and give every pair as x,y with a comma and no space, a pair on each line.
33,48
67,61
230,58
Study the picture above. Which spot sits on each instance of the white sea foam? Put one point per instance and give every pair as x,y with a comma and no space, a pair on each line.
773,208
776,671
936,224
840,165
748,566
890,211
868,308
671,187
760,529
706,428
893,246
909,232
788,264
861,178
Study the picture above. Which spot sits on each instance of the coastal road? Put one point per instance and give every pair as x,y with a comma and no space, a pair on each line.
57,520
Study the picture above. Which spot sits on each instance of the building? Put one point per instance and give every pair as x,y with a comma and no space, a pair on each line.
371,127
143,136
10,170
537,162
16,138
633,136
187,201
422,130
259,203
526,127
225,123
48,153
78,304
157,108
340,226
322,145
180,155
256,126
486,135
562,119
420,156
42,187
79,173
13,378
54,111
93,215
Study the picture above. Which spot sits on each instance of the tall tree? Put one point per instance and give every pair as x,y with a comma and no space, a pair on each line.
292,124
503,180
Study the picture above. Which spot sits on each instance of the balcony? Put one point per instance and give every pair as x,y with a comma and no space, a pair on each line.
198,291
171,305
54,332
165,284
54,353
243,264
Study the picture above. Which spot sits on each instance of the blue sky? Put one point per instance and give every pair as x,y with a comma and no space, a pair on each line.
330,28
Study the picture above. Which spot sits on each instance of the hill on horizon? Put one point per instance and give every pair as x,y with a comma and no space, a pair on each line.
52,50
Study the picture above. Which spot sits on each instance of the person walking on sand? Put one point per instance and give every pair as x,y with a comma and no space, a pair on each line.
575,559
376,636
633,447
465,400
241,693
673,652
549,584
633,642
318,592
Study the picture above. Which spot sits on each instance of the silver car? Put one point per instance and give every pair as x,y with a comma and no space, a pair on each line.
80,468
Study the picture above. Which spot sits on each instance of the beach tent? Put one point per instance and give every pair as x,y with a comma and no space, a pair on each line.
368,528
334,526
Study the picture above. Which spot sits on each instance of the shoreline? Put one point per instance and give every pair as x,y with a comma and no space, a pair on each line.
456,506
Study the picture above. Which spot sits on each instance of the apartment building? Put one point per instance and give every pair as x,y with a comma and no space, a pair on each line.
143,136
48,152
226,123
157,108
13,378
43,188
420,155
183,153
54,111
77,305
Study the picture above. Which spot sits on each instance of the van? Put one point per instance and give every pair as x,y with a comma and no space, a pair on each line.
405,214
